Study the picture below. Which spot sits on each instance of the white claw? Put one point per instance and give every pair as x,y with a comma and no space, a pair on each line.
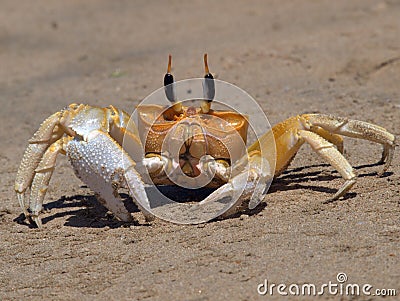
104,166
249,184
238,189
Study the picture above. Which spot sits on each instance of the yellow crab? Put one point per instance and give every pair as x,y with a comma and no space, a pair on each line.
108,152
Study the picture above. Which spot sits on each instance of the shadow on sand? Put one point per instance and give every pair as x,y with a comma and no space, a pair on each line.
91,214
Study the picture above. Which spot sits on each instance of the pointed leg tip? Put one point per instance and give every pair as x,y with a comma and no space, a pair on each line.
253,205
37,221
330,200
384,169
382,173
21,200
342,191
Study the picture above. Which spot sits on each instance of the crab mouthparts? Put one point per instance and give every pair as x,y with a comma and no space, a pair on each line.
189,165
186,144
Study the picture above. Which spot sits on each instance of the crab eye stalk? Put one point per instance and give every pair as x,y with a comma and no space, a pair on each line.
208,88
169,87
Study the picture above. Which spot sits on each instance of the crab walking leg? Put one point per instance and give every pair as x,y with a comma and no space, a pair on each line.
47,133
42,178
288,141
356,129
104,166
335,139
330,154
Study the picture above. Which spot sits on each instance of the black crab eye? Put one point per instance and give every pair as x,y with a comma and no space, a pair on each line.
169,85
208,84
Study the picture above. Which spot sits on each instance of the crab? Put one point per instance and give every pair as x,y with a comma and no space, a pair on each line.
107,151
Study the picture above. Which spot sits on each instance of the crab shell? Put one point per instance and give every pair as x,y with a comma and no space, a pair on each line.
220,134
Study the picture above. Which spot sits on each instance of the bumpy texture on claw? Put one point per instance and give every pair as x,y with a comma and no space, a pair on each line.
102,164
92,137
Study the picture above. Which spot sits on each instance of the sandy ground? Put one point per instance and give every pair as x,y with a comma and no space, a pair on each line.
338,57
